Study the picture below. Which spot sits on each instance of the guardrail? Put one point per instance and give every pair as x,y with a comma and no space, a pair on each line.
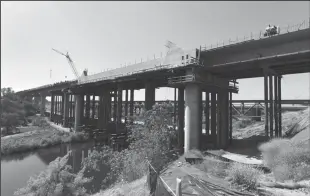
257,36
161,66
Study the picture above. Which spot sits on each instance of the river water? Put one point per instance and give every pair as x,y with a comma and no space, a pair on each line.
16,169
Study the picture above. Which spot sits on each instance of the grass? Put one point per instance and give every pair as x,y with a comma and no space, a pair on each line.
244,175
45,137
288,161
135,188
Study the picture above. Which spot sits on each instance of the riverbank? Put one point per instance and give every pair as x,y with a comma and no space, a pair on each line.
43,136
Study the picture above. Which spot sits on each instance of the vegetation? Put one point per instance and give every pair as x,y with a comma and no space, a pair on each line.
57,180
14,111
151,141
45,137
288,161
244,175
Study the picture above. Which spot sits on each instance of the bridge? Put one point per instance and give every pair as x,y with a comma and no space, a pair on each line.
213,71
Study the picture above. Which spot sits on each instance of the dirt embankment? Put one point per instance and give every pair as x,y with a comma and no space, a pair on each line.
292,124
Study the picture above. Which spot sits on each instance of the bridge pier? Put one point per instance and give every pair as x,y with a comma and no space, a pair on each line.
78,111
181,119
87,110
192,112
104,109
131,105
114,105
52,107
213,116
42,106
126,105
93,107
66,110
207,113
149,95
119,105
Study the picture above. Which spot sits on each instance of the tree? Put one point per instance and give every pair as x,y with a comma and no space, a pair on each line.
14,110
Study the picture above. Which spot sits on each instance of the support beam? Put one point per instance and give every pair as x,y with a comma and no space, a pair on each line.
126,105
149,96
42,106
207,113
192,112
78,111
87,110
115,106
93,107
62,106
213,116
66,110
52,107
104,109
181,119
280,106
119,104
132,94
276,105
175,108
271,105
218,120
224,120
230,117
266,105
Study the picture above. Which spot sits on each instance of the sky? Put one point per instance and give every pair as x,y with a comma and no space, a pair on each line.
100,35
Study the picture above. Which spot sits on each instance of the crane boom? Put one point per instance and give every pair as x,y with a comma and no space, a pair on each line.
70,63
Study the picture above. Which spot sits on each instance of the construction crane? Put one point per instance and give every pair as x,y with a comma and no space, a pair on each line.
76,73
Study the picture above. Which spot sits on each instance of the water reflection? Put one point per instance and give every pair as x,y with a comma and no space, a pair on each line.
16,169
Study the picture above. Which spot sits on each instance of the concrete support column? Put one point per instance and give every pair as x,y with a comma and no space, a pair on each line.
276,105
132,94
78,111
126,105
115,106
218,120
213,116
62,105
93,107
149,96
181,119
104,109
42,106
224,120
280,106
266,105
207,113
271,105
56,104
87,110
52,107
119,104
230,117
192,112
66,110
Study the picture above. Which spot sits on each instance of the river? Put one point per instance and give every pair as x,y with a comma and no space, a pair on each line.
16,169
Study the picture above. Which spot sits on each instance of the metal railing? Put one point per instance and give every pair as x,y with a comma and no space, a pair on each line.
160,66
257,36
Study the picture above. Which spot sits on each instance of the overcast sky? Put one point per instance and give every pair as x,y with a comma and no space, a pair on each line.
101,35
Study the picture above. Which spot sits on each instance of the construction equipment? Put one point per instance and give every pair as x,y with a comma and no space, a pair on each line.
76,73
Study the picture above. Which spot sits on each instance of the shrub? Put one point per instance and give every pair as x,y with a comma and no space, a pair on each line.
58,179
152,140
244,175
286,160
